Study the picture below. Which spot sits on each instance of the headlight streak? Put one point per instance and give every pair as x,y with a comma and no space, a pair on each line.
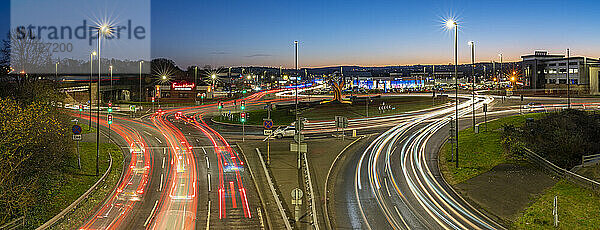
437,203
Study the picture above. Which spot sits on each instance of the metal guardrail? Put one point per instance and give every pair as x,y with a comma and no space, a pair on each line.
286,220
590,159
14,224
558,171
310,194
81,198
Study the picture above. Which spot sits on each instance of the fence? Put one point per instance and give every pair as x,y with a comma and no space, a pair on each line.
558,171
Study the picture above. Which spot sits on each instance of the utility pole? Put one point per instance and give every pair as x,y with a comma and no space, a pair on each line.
297,120
195,84
472,43
100,33
568,80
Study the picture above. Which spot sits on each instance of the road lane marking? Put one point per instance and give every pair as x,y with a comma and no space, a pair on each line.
151,213
208,182
159,141
163,163
147,132
208,217
204,150
161,182
207,163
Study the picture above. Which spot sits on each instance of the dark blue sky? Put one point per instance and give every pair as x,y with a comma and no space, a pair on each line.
349,32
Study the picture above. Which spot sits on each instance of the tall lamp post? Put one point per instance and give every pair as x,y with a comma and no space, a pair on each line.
568,79
140,97
90,87
195,84
111,83
472,44
56,71
453,24
297,121
103,30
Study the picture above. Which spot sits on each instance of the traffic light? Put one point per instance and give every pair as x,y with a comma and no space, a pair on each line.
109,119
80,108
243,117
220,105
244,91
110,107
243,105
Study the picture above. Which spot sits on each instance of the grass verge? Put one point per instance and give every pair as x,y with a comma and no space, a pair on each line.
478,153
578,208
74,182
328,111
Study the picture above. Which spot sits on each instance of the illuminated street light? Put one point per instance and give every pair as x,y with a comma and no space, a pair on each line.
472,45
453,24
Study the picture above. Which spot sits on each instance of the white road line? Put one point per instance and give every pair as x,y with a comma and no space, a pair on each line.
395,208
161,182
208,217
208,182
204,150
147,133
159,141
151,213
163,164
207,163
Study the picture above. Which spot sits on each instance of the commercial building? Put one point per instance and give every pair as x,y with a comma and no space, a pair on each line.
549,72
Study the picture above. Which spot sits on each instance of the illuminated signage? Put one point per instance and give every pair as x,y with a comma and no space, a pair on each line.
182,86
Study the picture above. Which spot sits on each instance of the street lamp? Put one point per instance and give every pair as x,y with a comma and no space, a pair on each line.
451,24
111,82
103,30
213,77
472,44
90,87
56,71
140,97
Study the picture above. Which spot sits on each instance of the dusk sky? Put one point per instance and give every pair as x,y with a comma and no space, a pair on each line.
368,33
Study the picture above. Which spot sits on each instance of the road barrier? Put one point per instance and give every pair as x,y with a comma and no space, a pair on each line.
590,160
563,173
310,193
50,223
17,223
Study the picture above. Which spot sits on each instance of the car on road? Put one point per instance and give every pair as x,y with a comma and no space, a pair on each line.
533,105
288,131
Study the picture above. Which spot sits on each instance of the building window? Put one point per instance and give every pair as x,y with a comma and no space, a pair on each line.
552,64
562,71
550,81
573,81
562,81
552,71
562,64
573,70
573,63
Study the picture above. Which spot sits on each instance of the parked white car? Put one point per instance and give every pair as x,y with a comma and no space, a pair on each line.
288,131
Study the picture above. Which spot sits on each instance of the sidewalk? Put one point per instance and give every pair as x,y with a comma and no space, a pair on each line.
284,172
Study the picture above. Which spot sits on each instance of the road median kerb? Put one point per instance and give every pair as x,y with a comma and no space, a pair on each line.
231,124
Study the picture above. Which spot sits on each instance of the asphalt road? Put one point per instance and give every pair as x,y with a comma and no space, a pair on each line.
397,184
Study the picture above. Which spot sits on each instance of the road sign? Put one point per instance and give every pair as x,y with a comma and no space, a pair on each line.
341,122
76,129
132,108
268,123
299,138
294,147
297,194
76,137
300,123
267,132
